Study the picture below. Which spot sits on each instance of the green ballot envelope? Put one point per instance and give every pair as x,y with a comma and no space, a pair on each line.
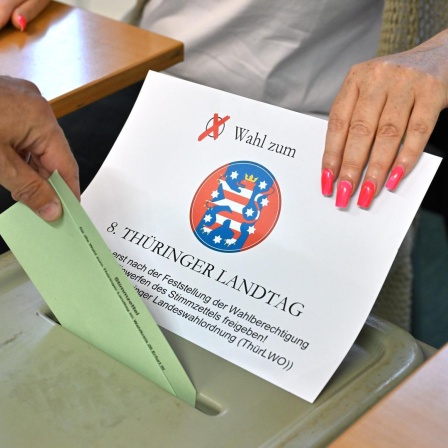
86,289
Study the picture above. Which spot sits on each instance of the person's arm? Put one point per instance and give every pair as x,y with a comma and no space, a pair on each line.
20,12
382,103
32,147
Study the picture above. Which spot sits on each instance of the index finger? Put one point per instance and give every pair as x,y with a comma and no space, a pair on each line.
27,11
337,132
27,186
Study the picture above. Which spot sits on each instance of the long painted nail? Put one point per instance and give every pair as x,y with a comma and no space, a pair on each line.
394,178
22,22
327,182
343,194
366,194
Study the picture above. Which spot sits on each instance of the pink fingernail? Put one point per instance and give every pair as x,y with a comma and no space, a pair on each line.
22,22
327,182
343,194
394,178
366,194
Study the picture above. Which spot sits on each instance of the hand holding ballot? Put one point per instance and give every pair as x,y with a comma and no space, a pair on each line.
382,103
20,12
32,147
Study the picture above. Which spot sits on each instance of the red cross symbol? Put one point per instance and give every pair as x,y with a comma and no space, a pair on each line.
217,123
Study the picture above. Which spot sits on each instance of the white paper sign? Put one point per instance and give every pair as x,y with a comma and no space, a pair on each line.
212,205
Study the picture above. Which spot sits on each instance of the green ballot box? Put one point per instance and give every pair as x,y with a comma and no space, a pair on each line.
56,390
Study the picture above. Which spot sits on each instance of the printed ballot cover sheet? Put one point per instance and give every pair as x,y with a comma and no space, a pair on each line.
211,204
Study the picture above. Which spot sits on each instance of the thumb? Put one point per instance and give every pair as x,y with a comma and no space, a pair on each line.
28,187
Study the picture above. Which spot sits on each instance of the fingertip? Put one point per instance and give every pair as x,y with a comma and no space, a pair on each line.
327,179
366,194
51,211
20,22
343,193
395,177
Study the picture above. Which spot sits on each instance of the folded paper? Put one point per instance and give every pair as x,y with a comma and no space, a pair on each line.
87,291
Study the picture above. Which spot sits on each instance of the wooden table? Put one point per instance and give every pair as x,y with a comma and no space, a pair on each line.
415,414
76,57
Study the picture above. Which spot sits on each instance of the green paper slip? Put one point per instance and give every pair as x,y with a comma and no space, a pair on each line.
86,289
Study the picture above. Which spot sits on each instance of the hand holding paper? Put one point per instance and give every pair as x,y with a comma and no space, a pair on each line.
382,118
88,292
32,146
218,194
